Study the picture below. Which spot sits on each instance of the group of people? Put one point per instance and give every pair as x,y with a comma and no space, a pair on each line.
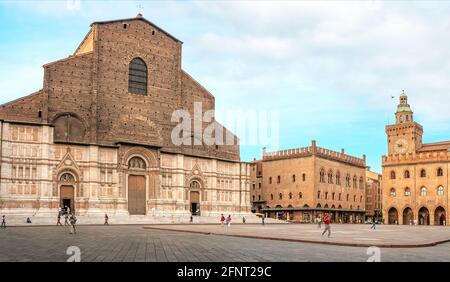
225,221
69,219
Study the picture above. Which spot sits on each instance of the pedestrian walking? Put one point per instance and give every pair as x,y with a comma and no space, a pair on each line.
191,220
28,220
243,219
374,225
66,219
319,222
262,219
106,219
73,221
222,219
326,221
58,223
229,220
3,222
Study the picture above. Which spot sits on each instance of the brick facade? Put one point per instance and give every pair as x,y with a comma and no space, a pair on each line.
302,184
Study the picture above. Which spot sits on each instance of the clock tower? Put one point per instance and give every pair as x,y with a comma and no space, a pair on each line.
405,136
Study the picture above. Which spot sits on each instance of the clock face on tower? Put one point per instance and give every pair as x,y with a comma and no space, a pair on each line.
401,146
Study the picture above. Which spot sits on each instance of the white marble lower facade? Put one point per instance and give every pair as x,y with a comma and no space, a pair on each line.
37,177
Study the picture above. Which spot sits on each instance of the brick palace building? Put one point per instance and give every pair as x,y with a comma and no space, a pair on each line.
415,175
97,136
301,184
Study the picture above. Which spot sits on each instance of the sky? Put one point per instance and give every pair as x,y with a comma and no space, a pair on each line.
328,68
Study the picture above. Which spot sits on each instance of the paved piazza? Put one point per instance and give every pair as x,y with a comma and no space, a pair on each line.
358,235
136,244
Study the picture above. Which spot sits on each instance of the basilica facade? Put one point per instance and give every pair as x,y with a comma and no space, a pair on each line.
415,175
97,137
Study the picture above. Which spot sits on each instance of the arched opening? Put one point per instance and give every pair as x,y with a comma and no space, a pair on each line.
392,216
392,174
408,216
439,216
424,216
137,192
194,197
407,174
137,77
67,192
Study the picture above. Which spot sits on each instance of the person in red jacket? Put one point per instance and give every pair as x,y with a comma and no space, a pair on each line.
326,221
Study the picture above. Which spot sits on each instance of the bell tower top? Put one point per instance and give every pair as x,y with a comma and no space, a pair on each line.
404,113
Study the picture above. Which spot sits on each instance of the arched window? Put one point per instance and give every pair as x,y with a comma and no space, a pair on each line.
330,177
69,128
423,191
137,77
348,197
270,180
290,195
407,192
280,196
293,178
347,180
318,194
332,196
392,192
354,182
392,174
339,196
259,198
136,163
326,195
361,183
271,196
300,195
407,175
423,173
354,198
322,176
440,191
253,198
338,178
278,179
440,172
304,177
360,200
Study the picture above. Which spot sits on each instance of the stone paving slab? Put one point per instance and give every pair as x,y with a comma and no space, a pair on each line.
357,235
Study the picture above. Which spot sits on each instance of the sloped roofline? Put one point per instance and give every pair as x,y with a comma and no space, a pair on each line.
139,18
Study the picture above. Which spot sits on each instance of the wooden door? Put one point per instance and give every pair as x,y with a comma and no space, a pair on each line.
136,194
67,197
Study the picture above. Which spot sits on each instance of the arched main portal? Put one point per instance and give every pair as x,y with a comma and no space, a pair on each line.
408,216
424,216
137,195
67,192
439,216
393,216
194,197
